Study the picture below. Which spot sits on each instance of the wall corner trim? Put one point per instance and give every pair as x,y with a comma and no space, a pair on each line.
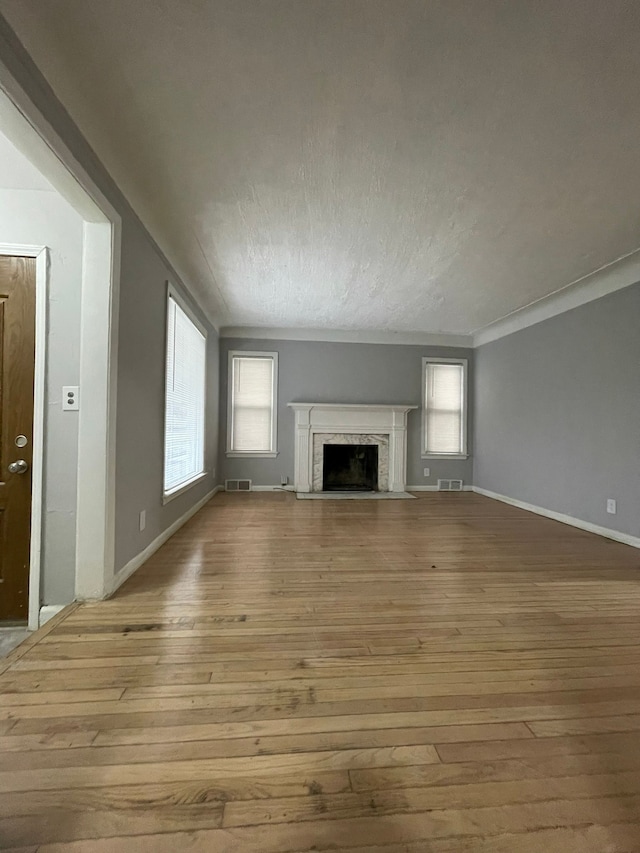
608,533
348,336
617,275
134,564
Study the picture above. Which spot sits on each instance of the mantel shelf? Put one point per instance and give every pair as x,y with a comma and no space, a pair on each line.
399,407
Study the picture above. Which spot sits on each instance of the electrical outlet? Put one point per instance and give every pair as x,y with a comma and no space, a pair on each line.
70,398
284,480
427,472
143,519
611,506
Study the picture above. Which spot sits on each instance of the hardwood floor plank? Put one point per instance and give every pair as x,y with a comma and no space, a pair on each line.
44,741
53,697
591,725
34,663
153,795
514,806
601,743
540,767
206,769
64,825
175,749
30,849
99,678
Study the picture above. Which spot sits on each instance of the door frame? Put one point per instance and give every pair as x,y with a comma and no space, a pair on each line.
40,253
30,131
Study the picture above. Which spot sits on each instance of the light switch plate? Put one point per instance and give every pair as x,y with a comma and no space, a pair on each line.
70,398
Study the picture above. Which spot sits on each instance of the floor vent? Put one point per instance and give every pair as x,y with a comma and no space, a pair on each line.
237,485
449,485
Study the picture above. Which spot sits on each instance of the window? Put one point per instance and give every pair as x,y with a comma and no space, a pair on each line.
251,429
184,399
444,383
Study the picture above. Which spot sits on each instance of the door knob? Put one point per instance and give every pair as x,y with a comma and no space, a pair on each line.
18,467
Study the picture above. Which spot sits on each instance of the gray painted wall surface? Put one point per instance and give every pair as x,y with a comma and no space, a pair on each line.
321,372
557,415
140,403
141,386
42,218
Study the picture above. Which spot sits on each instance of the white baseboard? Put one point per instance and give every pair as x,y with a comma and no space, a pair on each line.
607,532
48,611
129,568
434,489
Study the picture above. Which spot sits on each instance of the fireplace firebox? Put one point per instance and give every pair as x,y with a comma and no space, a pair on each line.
350,468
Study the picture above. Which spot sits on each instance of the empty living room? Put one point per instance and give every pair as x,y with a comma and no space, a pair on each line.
319,426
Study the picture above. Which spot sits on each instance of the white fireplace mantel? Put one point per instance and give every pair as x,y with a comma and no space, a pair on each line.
350,419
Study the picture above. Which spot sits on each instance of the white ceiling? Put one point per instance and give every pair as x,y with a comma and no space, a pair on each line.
409,165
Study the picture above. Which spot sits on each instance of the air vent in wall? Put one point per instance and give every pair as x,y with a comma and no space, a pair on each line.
449,485
237,485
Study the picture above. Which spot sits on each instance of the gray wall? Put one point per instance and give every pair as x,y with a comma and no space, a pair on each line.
141,383
557,416
44,218
321,372
140,402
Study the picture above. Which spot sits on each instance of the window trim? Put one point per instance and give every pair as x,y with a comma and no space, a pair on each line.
170,494
252,454
425,454
167,497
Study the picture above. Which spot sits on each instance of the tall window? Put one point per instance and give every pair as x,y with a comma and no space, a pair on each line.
252,403
445,406
184,399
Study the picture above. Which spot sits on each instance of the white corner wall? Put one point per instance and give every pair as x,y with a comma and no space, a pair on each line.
42,217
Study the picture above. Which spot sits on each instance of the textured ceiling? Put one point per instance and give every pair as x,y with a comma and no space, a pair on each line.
413,165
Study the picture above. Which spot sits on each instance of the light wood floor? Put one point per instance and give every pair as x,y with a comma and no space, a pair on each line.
443,675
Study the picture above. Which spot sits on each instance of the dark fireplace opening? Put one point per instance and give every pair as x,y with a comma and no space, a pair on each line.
350,468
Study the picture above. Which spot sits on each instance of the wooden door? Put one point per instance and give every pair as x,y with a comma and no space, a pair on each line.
17,364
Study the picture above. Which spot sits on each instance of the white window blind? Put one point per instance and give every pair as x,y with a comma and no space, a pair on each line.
444,408
252,403
185,400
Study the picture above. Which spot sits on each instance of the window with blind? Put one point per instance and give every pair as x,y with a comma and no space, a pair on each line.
445,407
252,403
184,399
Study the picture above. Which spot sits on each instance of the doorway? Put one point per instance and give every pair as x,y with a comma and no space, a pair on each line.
79,531
17,368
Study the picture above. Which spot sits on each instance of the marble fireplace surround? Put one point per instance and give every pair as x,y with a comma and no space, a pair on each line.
317,424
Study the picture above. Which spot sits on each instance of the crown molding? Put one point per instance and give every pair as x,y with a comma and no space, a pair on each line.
350,337
617,275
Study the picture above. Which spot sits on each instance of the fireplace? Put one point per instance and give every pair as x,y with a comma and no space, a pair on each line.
354,424
350,468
